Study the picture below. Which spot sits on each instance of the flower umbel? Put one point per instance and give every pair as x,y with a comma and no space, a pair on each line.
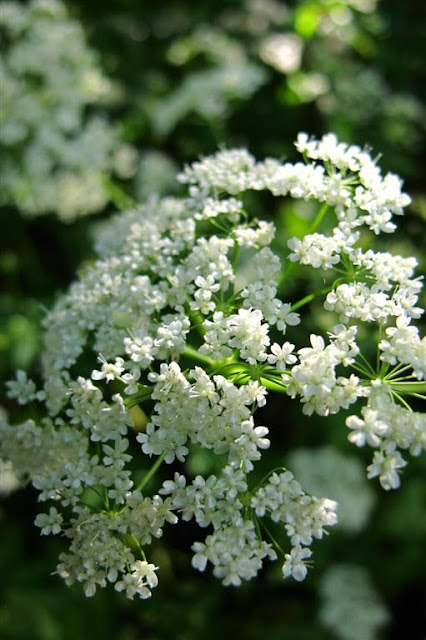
188,303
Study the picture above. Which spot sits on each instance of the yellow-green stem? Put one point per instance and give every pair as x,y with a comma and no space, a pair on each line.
314,226
409,387
310,297
193,354
147,477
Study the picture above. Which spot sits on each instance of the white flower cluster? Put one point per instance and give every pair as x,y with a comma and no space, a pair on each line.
190,341
314,379
55,157
228,75
351,608
403,344
212,412
234,547
387,427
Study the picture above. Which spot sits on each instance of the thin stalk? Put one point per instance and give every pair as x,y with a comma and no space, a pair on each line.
361,369
318,218
241,379
392,380
231,366
402,401
397,371
270,385
139,397
378,361
193,354
314,226
266,476
106,500
236,255
196,320
383,369
368,365
275,543
147,477
409,387
310,297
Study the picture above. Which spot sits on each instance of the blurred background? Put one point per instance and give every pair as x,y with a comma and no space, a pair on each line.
101,104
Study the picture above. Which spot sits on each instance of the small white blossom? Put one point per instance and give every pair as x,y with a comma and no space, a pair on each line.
295,563
23,389
141,579
109,370
282,355
386,465
49,523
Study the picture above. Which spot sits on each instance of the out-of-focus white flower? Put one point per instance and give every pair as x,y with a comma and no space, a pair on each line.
55,156
350,606
283,51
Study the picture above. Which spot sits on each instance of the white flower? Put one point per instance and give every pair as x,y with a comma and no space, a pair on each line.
140,349
295,563
141,579
249,335
203,295
351,608
49,523
23,389
281,355
316,250
386,465
109,371
403,345
369,430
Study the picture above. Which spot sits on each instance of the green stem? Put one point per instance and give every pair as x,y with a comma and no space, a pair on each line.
318,218
409,387
147,477
193,354
273,386
285,274
365,372
118,196
231,367
139,397
397,371
272,538
236,255
367,364
227,368
138,546
310,297
314,226
196,320
402,401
